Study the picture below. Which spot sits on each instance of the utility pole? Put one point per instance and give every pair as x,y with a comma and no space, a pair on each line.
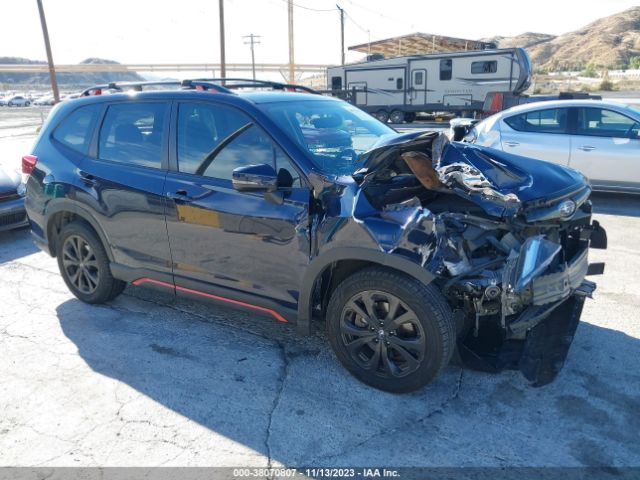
223,66
292,77
341,32
252,41
47,46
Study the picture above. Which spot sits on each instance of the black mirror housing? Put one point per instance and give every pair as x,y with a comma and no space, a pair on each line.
255,178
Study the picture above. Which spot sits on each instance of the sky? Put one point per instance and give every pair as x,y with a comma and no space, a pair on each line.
170,31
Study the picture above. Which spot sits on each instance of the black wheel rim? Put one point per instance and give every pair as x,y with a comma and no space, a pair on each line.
382,334
80,264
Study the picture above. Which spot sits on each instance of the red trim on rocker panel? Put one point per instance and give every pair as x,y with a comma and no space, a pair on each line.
273,313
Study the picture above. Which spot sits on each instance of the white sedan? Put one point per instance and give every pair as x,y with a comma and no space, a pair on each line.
18,101
598,138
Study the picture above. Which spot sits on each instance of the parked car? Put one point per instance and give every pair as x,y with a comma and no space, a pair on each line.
407,246
45,100
12,211
598,138
18,101
3,101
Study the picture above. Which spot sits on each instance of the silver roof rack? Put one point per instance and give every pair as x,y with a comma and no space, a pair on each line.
219,85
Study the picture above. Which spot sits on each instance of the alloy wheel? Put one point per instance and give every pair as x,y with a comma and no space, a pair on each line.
382,334
80,264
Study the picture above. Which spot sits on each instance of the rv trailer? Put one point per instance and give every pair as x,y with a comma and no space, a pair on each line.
398,88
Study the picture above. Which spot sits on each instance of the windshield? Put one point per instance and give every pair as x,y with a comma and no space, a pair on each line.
334,132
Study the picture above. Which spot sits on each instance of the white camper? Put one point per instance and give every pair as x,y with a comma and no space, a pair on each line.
398,88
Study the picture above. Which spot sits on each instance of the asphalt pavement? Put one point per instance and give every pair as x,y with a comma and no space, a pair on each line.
148,380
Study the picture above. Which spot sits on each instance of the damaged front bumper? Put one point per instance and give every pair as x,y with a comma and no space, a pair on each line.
530,324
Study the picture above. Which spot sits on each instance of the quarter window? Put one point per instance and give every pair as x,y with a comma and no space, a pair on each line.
490,66
553,120
446,69
132,133
76,130
606,123
215,140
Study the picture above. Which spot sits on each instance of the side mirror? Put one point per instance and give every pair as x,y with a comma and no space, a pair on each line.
255,178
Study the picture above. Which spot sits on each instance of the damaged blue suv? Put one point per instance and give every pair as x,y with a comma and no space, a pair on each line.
302,207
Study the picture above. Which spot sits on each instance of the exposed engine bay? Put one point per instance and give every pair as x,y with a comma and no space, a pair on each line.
509,254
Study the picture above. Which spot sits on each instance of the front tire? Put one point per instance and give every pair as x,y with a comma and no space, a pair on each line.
389,330
382,115
84,265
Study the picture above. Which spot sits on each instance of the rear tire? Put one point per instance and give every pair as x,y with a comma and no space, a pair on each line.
389,330
410,117
84,265
397,116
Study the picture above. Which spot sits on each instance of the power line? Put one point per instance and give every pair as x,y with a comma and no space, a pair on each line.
374,12
309,8
365,30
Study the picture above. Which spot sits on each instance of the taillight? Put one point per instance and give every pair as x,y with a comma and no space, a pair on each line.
28,164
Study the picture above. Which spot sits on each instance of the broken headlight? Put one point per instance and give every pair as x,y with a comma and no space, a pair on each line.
536,255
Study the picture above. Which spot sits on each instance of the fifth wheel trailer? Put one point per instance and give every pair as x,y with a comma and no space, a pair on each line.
398,88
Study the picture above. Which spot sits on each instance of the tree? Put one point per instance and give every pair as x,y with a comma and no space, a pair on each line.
634,63
606,84
590,71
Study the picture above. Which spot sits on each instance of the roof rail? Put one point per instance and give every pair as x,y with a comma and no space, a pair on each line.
122,86
220,85
237,83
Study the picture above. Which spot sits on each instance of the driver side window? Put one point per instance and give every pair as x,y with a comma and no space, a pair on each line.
214,140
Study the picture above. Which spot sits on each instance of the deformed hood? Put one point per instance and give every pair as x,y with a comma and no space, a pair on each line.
499,182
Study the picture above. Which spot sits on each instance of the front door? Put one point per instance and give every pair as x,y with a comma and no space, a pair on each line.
228,243
605,147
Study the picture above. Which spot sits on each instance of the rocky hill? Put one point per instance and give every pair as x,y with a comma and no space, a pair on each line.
524,40
608,42
66,79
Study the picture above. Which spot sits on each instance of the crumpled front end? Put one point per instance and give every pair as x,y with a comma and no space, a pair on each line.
518,293
508,246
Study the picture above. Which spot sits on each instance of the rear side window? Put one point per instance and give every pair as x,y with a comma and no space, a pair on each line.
446,69
553,120
490,66
76,130
131,133
605,123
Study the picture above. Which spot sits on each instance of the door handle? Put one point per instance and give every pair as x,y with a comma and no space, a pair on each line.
180,195
511,144
587,148
87,178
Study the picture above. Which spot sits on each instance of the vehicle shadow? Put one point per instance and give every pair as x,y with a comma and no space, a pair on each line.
616,204
289,400
15,244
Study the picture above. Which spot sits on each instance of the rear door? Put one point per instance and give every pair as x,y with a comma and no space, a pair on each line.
224,242
606,148
126,176
540,134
